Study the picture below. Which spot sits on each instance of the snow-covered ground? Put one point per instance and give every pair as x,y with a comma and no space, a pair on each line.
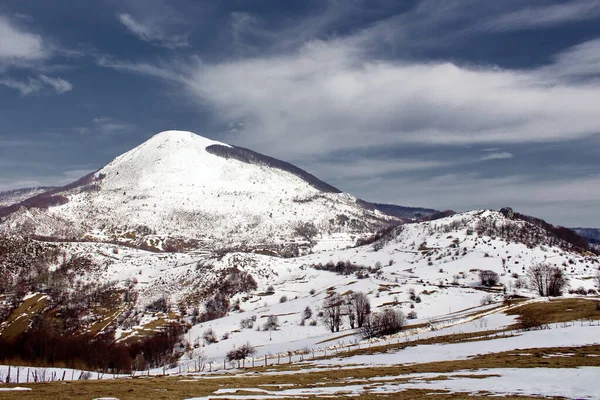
546,382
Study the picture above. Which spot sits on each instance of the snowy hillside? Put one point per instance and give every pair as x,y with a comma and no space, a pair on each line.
428,269
180,190
16,196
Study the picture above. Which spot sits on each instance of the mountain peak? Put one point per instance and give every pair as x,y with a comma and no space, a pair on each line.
181,137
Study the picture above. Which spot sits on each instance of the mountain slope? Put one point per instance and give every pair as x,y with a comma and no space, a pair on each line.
180,189
11,197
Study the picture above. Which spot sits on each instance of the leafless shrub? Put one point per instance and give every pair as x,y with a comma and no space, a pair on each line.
488,278
307,313
210,336
384,323
306,230
271,324
547,280
248,323
241,353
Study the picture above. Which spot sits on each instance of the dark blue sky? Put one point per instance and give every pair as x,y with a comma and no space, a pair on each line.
441,103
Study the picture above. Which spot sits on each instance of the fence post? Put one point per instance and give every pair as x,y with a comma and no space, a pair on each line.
265,360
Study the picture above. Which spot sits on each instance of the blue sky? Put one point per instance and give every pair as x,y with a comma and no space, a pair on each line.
451,104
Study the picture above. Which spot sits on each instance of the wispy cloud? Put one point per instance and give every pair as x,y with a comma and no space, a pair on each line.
152,30
497,156
18,46
37,85
362,168
109,126
328,95
544,16
59,85
25,87
580,61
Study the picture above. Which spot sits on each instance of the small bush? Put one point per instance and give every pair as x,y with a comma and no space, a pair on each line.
411,294
412,315
307,313
283,299
248,323
159,305
312,292
270,290
487,299
384,323
210,336
241,353
271,324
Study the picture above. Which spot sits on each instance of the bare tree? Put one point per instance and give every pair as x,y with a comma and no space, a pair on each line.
241,353
307,230
547,280
200,359
332,312
350,313
358,308
488,277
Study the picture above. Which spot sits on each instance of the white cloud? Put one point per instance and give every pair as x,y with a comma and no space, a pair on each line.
545,16
578,61
328,96
19,46
363,168
37,85
26,87
109,126
332,96
152,30
503,155
58,84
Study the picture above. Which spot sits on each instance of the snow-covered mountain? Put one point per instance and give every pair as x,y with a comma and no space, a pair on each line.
181,190
93,253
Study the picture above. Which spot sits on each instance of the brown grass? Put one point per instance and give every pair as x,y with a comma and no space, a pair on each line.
556,311
182,388
19,319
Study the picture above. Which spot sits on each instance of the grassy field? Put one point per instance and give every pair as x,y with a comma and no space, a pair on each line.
307,376
183,387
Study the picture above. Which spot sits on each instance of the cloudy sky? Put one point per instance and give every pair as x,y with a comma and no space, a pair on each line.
450,104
